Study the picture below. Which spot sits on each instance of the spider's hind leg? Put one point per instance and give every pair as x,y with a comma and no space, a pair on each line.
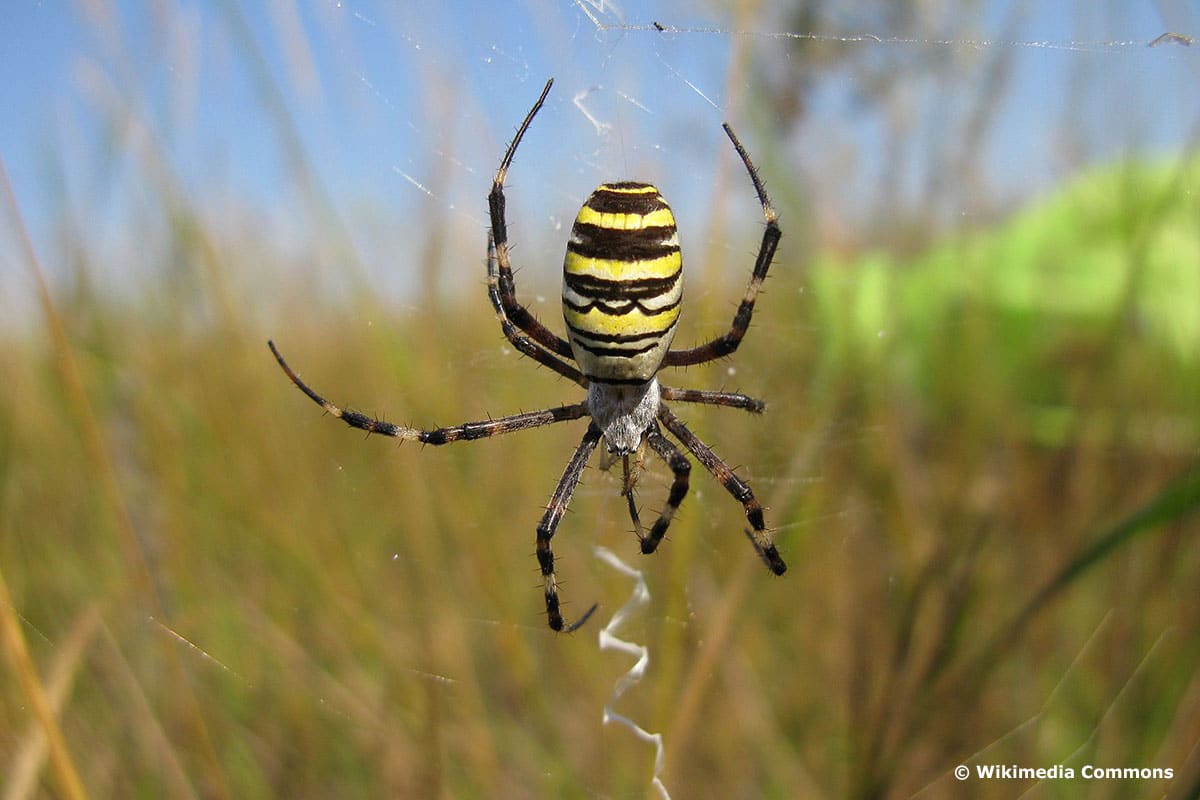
758,534
681,468
545,530
629,482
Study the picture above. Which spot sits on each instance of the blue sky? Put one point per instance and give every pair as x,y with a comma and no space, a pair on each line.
402,110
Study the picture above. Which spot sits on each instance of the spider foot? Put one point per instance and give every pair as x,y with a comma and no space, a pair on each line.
554,612
767,552
579,623
650,543
554,615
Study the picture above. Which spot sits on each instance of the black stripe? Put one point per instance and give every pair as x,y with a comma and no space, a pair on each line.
617,338
627,249
619,311
604,201
618,244
616,352
589,231
632,289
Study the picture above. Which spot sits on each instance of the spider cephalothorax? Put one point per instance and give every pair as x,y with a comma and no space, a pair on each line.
622,288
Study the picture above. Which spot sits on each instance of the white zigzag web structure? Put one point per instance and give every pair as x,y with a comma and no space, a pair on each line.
609,640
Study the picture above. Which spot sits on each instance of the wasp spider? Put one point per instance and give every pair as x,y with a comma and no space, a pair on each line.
622,286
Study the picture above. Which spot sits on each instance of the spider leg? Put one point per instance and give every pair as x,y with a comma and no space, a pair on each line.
679,486
728,399
760,537
727,343
501,286
465,432
523,343
630,479
554,513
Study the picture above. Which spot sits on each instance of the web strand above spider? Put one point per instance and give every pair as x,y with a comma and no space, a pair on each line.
622,290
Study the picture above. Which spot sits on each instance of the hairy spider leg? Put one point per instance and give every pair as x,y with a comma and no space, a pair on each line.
702,396
728,342
759,536
465,432
545,529
681,468
523,344
501,287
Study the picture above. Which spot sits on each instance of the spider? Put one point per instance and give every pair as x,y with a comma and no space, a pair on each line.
622,286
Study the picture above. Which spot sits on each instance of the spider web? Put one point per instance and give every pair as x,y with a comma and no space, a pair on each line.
896,129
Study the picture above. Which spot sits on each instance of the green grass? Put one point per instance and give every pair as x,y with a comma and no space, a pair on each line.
982,466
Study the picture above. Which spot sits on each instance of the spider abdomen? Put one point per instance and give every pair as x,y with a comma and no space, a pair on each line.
622,283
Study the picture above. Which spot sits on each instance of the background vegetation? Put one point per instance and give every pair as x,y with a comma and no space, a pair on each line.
980,457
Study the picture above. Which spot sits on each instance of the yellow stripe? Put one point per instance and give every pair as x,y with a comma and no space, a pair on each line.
612,187
617,270
626,222
596,321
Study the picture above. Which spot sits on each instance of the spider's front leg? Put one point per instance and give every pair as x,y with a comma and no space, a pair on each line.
524,344
501,285
725,344
545,530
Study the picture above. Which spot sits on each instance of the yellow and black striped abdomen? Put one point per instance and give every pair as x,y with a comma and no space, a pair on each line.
622,283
